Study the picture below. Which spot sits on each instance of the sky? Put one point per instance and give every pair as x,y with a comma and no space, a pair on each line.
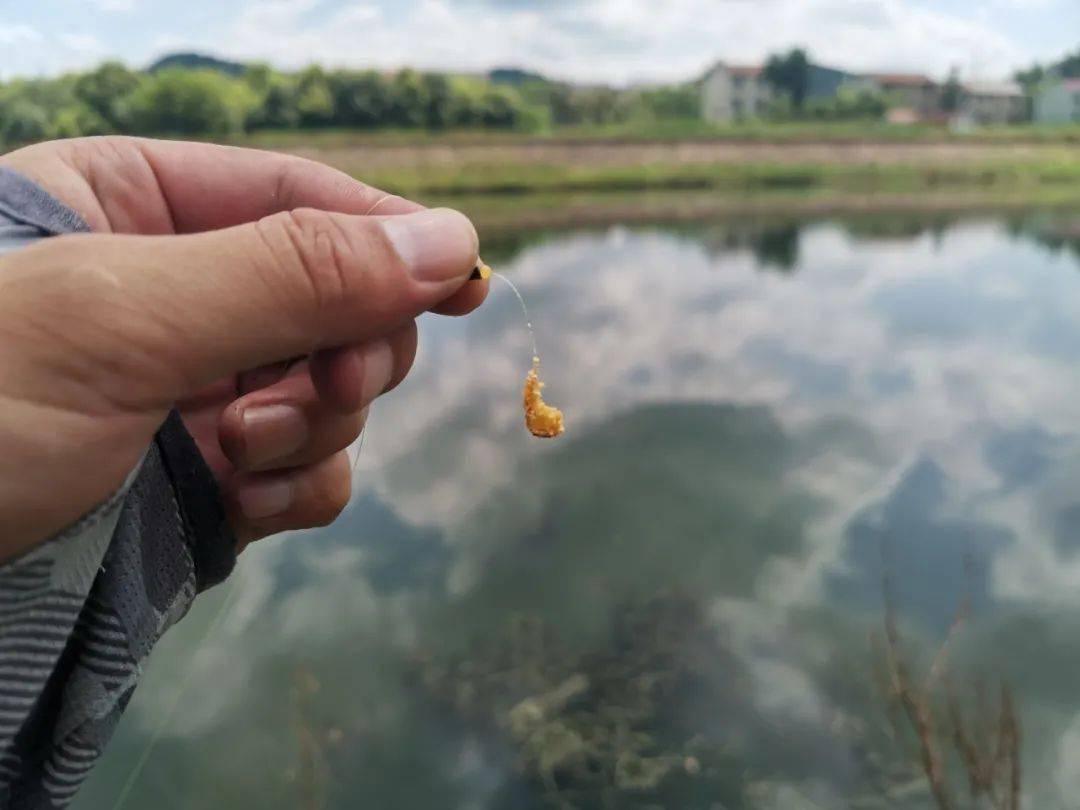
617,41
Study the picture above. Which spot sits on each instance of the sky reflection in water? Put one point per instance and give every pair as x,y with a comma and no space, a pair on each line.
758,413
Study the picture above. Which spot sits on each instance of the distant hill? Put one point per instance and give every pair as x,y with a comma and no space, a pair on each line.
198,61
514,76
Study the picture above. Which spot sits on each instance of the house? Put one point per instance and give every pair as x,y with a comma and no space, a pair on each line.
1058,102
989,103
912,96
733,92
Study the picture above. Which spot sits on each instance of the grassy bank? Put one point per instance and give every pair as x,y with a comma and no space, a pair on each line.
1027,177
795,158
504,217
839,132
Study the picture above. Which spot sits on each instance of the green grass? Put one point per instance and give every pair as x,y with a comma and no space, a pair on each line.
1048,167
671,131
507,179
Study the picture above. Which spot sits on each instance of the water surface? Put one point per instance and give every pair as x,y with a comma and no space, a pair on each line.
773,425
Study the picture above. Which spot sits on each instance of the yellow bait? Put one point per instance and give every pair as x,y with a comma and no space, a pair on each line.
542,420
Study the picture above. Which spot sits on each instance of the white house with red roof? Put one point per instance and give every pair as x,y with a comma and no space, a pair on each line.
734,92
1058,102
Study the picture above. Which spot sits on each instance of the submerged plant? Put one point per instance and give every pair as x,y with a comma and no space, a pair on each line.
980,747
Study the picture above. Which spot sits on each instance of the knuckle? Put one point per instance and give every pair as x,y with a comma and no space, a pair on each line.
308,245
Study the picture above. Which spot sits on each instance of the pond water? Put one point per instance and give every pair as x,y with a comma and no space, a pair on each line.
775,428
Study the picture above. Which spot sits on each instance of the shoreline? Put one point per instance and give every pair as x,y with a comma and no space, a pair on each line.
494,217
445,169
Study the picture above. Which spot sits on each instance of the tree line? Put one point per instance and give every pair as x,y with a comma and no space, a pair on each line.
1067,68
201,101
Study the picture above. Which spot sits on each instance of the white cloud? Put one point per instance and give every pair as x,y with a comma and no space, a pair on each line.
16,34
622,40
114,5
82,43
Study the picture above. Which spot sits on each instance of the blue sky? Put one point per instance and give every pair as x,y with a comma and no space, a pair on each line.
605,40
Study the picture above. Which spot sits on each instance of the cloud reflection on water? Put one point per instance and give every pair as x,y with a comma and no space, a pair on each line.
751,437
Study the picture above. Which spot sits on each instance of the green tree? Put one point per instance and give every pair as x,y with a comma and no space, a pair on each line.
599,105
314,100
361,99
106,90
1030,78
259,77
278,108
679,101
276,94
78,120
952,92
408,101
1069,67
438,100
499,110
848,104
22,122
560,100
191,102
790,74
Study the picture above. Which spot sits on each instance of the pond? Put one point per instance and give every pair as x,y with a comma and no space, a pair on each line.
819,485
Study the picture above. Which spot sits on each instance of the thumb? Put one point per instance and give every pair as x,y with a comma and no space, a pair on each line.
185,310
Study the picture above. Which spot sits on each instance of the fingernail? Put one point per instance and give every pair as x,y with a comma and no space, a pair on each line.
263,499
378,368
436,245
272,432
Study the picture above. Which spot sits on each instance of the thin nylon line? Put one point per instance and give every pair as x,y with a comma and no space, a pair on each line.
360,446
166,718
219,617
525,310
363,433
378,202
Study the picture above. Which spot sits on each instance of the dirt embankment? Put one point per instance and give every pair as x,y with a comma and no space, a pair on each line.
684,153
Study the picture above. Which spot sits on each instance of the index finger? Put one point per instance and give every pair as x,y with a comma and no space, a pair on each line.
208,187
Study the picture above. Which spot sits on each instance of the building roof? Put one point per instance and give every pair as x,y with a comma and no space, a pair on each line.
744,71
901,79
749,71
1000,89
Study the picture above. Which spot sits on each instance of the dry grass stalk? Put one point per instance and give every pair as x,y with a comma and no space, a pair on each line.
311,774
987,745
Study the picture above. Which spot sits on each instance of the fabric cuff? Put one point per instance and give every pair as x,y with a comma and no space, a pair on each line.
24,201
208,536
206,527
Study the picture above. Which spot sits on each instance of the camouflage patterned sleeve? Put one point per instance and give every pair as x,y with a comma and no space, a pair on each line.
80,613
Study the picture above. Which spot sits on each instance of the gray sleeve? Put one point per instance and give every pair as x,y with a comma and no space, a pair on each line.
80,613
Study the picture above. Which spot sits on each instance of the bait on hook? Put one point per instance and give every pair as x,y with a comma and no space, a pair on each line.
543,421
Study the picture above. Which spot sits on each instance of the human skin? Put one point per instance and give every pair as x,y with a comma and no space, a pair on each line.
268,298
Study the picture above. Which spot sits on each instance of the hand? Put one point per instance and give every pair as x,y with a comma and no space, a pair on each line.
209,270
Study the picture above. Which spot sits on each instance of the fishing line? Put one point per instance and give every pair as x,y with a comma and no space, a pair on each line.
227,603
525,311
360,444
363,430
185,681
215,623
